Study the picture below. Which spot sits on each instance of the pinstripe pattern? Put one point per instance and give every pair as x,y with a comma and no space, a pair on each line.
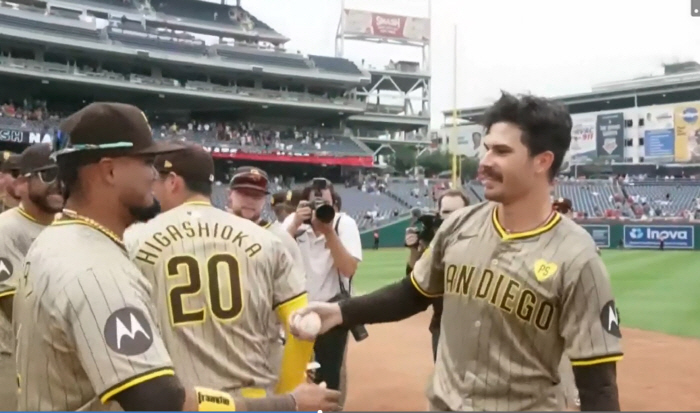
75,277
226,352
513,305
17,232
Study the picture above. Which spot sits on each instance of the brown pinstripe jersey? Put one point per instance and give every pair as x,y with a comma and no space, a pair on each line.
217,279
513,304
83,321
17,232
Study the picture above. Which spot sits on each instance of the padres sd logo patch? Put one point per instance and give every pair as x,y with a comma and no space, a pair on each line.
544,270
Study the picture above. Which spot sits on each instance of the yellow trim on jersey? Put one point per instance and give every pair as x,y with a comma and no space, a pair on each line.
420,289
199,203
153,374
8,293
593,362
551,223
26,214
297,353
268,225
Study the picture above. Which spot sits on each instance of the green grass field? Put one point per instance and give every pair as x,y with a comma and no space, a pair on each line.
654,290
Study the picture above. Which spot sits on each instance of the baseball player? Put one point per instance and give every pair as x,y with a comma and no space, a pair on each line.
18,228
9,171
82,311
521,285
247,198
217,281
282,203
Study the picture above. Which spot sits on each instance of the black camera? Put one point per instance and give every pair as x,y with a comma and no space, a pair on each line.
425,224
324,211
359,332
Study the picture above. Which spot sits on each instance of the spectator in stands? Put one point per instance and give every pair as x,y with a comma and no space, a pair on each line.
448,202
331,252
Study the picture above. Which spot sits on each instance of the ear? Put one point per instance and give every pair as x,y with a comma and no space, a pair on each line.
107,169
543,161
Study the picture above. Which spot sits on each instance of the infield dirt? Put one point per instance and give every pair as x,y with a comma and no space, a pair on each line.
390,369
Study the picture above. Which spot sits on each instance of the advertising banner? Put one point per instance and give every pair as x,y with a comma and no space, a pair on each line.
223,152
659,133
388,26
600,234
24,137
649,236
610,136
687,132
468,140
583,139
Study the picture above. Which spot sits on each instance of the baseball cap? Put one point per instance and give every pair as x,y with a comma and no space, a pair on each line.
281,197
562,205
11,163
250,177
192,162
36,158
109,126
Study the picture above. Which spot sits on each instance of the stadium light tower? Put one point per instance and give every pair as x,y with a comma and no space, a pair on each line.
401,81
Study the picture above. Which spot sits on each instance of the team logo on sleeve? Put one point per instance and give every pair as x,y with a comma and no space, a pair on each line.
5,269
544,270
610,319
128,332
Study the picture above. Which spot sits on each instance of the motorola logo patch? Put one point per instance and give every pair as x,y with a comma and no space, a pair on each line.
128,332
5,269
610,319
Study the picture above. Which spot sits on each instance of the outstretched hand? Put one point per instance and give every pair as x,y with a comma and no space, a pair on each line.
329,313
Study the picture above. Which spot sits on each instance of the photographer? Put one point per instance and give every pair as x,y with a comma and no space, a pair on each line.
418,239
331,250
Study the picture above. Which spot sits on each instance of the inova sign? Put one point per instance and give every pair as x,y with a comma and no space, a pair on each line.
649,236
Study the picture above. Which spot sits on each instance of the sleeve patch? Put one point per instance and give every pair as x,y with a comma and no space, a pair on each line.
128,332
6,269
610,319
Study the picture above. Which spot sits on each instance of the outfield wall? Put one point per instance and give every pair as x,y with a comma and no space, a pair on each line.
607,234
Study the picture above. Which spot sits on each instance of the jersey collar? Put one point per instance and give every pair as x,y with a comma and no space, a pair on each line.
506,236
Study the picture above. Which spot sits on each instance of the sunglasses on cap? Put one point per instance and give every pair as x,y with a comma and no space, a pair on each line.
46,176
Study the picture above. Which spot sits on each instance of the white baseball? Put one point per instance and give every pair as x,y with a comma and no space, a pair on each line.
310,324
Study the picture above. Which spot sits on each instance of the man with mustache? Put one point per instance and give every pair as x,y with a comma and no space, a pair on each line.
247,198
521,285
83,317
19,227
9,171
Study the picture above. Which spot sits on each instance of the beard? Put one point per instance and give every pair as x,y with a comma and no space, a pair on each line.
41,201
145,214
248,214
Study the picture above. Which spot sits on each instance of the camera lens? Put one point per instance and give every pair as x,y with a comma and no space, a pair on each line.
325,213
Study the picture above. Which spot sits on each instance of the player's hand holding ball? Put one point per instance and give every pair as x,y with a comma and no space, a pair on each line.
315,319
313,397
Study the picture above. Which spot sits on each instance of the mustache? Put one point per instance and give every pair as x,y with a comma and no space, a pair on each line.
488,172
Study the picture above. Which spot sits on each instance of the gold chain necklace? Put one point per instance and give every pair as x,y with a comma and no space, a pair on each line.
95,225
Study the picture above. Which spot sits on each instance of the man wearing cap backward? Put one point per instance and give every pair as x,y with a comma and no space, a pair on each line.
217,281
9,170
83,318
19,227
247,198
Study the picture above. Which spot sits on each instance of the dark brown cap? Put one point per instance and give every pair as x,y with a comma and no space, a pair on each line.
296,197
281,197
113,127
562,205
250,177
36,158
192,163
11,163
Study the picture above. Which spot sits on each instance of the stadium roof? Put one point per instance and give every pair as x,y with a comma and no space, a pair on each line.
619,95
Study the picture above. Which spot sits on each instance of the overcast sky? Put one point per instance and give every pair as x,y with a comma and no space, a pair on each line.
547,47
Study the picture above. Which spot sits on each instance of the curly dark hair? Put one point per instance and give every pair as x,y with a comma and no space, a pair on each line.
545,124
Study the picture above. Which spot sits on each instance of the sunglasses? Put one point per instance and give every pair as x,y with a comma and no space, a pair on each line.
46,176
